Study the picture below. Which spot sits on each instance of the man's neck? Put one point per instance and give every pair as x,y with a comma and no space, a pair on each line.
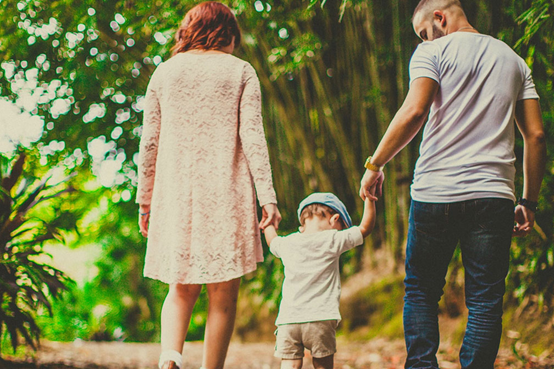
462,26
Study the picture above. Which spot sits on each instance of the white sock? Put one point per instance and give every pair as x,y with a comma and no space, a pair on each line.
171,355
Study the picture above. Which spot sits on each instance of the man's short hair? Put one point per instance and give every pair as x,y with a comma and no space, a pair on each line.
319,210
426,7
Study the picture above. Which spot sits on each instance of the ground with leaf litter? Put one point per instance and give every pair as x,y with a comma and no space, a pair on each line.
374,354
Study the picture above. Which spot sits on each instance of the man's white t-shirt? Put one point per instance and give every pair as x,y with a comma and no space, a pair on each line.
311,289
467,150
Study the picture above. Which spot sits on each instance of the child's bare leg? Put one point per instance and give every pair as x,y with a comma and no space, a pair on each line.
324,362
176,313
222,308
291,363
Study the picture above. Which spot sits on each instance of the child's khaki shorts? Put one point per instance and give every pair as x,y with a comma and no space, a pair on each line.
318,337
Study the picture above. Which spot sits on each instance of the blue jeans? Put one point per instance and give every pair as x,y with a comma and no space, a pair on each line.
483,228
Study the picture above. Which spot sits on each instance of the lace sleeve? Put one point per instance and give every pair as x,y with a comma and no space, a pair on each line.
148,149
252,137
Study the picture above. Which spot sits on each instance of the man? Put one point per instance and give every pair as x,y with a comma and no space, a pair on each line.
471,87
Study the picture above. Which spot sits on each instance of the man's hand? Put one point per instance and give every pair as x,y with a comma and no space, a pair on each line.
270,216
525,219
144,219
371,185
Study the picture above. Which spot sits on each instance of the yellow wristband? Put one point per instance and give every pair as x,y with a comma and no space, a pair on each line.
372,167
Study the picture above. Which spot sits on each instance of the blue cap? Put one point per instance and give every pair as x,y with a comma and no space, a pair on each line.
329,199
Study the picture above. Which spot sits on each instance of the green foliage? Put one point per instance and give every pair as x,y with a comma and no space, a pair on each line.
375,310
532,277
92,313
27,283
536,18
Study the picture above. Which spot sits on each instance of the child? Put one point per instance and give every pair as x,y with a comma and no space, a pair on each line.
309,310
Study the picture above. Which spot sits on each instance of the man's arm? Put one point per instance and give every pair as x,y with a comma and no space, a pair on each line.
368,218
529,121
405,125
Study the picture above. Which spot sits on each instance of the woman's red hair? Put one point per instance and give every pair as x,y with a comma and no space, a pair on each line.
209,25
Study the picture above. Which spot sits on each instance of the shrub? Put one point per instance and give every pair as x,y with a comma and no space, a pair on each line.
27,221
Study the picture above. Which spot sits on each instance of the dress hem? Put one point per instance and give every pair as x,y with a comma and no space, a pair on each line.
168,281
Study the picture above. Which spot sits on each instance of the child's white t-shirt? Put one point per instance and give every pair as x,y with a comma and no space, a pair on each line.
311,289
467,150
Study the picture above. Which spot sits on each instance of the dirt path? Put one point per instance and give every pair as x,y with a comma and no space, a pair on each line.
374,354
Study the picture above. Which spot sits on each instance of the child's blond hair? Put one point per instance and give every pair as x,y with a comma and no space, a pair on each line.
319,210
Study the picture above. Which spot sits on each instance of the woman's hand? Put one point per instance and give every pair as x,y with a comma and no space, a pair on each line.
144,219
270,216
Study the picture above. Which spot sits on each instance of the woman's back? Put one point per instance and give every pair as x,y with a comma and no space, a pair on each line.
199,96
197,87
203,129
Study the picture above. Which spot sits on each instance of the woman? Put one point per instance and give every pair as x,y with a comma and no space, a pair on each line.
203,158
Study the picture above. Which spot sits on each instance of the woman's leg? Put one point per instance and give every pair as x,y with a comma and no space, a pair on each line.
176,313
222,308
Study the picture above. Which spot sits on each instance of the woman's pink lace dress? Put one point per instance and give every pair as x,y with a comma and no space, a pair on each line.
202,153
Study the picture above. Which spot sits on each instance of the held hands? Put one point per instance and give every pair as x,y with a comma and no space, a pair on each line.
525,219
371,185
270,216
144,219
